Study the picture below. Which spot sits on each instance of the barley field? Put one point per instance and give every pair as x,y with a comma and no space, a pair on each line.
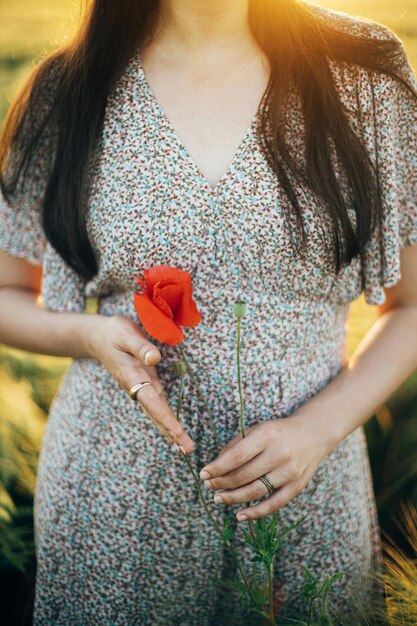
28,30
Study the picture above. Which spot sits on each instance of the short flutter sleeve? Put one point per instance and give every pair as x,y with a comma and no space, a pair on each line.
389,123
22,235
21,232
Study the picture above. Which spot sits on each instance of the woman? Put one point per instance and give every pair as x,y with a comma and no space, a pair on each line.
269,149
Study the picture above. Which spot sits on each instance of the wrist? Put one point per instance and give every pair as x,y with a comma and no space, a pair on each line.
89,332
325,432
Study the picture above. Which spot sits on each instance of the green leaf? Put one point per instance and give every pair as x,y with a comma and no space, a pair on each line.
267,541
240,587
336,577
327,584
309,589
227,532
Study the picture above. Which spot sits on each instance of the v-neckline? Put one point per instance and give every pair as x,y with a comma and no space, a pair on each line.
212,191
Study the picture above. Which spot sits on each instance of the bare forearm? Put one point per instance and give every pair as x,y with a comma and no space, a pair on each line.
115,341
382,362
26,325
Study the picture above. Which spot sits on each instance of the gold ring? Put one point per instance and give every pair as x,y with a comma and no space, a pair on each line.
133,391
267,483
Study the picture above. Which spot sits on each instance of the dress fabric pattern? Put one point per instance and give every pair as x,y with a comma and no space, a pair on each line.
121,537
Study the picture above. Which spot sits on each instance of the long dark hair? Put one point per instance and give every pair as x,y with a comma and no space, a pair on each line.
299,41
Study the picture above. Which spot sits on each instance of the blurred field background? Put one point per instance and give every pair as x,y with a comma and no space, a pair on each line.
29,29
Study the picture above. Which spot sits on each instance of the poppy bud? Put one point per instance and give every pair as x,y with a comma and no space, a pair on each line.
179,368
239,309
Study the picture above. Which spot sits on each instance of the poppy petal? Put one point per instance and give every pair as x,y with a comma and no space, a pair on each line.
156,323
170,291
186,314
142,284
162,304
163,272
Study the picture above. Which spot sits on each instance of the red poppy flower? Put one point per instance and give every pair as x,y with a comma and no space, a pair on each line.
166,303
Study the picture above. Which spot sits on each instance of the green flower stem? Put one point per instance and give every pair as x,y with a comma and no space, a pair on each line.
239,381
203,500
310,611
242,403
200,394
270,569
200,492
180,397
215,524
271,593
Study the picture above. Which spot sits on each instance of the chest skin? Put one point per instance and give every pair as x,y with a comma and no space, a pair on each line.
209,108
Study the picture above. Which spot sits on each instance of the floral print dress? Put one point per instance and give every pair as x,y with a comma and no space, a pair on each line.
121,537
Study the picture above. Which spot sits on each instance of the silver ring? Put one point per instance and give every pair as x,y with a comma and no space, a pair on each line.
133,391
267,483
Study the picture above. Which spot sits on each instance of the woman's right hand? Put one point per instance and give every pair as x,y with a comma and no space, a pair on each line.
120,345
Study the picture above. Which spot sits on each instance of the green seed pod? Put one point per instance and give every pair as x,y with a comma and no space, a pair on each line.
325,620
179,368
239,309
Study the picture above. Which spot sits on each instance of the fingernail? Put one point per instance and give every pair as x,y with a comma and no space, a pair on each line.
218,499
149,355
181,449
207,484
204,475
241,517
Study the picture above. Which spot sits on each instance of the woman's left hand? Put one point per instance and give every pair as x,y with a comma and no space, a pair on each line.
288,450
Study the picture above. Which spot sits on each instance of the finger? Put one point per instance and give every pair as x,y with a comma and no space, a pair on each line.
251,491
161,413
165,433
238,454
134,342
244,475
153,401
267,507
154,378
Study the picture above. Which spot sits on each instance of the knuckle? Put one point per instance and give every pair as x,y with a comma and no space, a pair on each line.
257,490
234,482
238,457
140,348
294,470
285,454
177,429
215,469
241,479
